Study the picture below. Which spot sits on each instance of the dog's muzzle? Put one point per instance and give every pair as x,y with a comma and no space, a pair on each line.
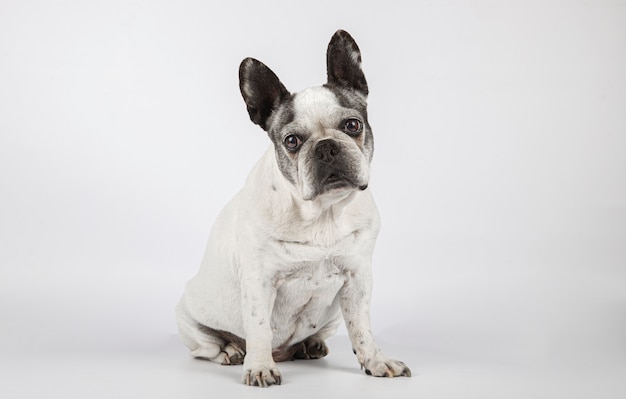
334,170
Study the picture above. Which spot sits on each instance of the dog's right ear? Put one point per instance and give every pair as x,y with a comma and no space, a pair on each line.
261,90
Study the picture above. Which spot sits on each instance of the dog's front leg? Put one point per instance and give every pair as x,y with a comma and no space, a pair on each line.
355,298
258,295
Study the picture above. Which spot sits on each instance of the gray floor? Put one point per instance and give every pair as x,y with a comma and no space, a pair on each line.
165,371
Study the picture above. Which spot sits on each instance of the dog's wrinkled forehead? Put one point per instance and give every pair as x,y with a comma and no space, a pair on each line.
315,104
312,108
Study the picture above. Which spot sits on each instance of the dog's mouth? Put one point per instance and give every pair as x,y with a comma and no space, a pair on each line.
336,181
335,178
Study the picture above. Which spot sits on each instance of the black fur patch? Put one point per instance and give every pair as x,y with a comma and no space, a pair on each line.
343,60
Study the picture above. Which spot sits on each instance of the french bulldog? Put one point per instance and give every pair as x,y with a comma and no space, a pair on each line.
291,254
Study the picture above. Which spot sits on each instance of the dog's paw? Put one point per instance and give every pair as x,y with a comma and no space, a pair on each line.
311,348
262,376
384,367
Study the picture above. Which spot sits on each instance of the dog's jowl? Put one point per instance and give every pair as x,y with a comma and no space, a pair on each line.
290,255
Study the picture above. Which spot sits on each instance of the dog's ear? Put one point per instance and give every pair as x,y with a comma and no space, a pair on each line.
261,90
343,63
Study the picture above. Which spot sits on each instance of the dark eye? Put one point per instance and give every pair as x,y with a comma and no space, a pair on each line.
292,142
353,126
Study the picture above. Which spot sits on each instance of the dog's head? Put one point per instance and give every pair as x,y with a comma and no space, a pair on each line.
322,139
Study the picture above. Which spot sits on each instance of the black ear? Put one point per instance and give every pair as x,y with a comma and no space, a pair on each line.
261,90
343,62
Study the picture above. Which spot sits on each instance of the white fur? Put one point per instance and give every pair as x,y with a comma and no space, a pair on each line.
279,269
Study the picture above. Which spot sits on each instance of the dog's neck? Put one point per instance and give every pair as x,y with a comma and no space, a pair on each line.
324,206
286,199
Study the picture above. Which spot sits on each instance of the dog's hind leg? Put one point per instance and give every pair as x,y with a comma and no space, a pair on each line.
227,354
311,348
206,343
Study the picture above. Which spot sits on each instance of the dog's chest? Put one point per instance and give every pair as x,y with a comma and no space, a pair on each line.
309,282
306,298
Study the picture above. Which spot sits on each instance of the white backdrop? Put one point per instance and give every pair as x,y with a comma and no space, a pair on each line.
499,170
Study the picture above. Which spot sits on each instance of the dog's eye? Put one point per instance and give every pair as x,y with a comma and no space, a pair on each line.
353,126
292,142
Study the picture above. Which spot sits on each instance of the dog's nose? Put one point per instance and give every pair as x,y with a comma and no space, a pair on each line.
326,150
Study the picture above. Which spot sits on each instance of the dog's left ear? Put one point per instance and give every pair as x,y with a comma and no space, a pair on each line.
261,90
343,62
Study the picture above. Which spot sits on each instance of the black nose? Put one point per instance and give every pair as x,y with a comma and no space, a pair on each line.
326,150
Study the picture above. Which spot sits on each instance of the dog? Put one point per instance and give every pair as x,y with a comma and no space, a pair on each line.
291,254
